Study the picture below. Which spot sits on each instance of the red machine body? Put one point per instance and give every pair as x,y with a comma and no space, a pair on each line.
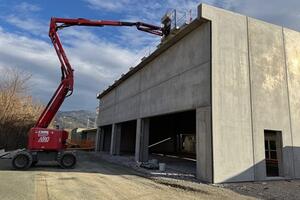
40,137
49,139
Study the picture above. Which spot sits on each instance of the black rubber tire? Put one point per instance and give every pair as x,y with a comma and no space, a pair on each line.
22,160
68,160
34,163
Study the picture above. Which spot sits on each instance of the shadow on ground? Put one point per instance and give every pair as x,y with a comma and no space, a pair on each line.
90,162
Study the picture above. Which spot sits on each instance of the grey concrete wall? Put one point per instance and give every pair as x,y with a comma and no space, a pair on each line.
292,52
107,109
270,105
177,79
231,109
255,87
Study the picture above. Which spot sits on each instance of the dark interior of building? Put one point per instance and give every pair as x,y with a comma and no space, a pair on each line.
128,135
176,132
172,140
107,138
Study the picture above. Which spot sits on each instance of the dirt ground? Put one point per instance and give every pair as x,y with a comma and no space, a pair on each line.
285,189
94,178
97,179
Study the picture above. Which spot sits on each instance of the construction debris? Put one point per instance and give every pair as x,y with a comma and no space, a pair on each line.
151,164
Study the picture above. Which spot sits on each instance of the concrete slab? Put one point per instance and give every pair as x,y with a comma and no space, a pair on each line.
184,166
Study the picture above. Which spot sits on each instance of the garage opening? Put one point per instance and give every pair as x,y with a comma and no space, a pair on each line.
273,153
172,140
128,135
106,138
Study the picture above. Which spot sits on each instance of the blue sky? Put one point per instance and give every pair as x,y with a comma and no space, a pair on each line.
100,55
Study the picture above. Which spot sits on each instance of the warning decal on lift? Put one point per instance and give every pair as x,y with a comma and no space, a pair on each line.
43,136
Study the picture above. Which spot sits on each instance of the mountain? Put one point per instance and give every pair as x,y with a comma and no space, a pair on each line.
75,119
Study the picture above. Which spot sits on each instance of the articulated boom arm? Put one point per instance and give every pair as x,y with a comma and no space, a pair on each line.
65,88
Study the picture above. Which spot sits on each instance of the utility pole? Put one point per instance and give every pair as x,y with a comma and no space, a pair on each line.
88,122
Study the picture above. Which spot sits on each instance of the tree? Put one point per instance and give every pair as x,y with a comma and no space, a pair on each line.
18,112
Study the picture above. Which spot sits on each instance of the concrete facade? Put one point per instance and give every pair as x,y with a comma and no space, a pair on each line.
239,74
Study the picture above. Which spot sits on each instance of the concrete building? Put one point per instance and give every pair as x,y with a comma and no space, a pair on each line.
229,81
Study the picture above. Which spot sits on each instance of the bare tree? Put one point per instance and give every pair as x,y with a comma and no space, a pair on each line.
18,112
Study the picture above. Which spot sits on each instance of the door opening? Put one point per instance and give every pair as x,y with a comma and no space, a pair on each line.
273,153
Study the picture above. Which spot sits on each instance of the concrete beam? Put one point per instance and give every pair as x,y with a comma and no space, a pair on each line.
115,139
142,140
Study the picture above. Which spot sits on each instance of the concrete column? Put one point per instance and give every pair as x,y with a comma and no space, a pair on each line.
204,144
97,139
142,140
115,139
101,140
138,139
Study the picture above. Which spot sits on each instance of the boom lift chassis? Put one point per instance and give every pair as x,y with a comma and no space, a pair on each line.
46,144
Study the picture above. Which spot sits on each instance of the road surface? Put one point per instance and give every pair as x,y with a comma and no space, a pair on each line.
97,179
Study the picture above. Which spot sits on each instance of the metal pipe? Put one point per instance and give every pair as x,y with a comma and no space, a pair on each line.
157,143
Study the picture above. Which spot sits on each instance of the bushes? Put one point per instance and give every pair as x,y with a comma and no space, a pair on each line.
18,112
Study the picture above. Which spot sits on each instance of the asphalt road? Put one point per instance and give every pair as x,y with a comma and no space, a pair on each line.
98,179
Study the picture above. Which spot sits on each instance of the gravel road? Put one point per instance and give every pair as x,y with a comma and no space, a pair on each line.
94,178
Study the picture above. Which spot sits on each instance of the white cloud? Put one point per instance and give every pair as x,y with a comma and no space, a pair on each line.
283,13
150,9
27,7
108,4
96,63
31,25
96,57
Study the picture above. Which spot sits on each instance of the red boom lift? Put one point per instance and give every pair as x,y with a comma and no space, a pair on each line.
50,144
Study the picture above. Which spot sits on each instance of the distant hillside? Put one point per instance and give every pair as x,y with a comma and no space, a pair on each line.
75,119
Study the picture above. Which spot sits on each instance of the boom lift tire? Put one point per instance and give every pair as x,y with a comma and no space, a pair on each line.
22,160
68,160
33,164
